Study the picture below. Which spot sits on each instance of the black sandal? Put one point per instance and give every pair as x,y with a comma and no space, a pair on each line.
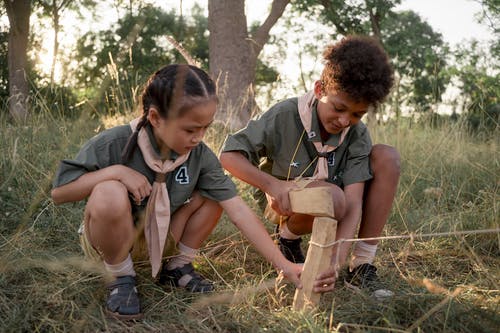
197,284
123,301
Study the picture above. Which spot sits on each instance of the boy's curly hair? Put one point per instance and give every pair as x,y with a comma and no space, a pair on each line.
358,66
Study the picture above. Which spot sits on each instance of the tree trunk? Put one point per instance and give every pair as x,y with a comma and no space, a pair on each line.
55,50
18,12
233,56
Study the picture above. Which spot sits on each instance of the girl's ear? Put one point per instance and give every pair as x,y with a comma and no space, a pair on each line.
154,117
318,89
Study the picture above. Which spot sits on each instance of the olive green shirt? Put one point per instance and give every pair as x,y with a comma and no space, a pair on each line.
277,142
201,171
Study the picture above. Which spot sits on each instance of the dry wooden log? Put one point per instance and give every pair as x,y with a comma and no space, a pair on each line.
316,201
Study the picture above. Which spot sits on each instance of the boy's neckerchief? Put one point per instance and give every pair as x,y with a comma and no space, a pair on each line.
157,219
305,105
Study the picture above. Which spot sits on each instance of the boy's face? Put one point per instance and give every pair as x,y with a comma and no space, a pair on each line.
336,109
182,134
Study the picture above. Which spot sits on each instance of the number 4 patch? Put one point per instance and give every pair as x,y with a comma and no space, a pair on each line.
182,176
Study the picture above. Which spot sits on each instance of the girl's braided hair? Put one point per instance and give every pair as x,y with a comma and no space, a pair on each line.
358,66
172,90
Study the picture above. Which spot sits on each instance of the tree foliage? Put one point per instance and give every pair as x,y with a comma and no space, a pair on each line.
490,16
478,81
136,47
54,9
418,53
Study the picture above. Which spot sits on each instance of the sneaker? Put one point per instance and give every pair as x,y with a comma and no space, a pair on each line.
364,278
123,300
291,249
197,284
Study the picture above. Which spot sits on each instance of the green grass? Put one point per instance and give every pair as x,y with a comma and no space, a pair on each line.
449,183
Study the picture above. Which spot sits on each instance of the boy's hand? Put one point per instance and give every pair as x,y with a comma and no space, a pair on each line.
325,281
278,197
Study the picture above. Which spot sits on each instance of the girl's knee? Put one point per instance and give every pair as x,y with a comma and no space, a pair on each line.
385,158
210,207
108,199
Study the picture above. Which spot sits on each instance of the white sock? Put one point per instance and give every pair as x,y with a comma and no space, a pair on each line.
186,255
286,233
363,253
126,267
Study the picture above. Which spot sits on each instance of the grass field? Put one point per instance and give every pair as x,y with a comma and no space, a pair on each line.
448,283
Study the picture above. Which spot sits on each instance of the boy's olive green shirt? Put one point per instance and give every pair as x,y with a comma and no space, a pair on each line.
277,142
201,171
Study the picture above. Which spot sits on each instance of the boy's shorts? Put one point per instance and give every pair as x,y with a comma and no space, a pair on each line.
139,251
274,217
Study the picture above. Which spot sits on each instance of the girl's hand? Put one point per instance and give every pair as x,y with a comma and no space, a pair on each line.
326,280
278,197
136,183
292,273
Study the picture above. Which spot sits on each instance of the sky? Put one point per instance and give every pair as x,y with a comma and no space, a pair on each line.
454,19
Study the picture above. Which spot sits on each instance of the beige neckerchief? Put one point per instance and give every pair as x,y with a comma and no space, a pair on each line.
158,207
305,105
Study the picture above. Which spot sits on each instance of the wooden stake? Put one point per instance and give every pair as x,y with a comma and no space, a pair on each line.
316,201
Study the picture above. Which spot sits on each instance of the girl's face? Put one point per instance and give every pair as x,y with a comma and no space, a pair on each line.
336,109
181,134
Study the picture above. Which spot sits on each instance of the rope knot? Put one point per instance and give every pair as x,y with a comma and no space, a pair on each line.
160,177
323,154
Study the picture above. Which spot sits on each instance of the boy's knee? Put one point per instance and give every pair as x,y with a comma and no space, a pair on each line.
338,198
339,205
385,157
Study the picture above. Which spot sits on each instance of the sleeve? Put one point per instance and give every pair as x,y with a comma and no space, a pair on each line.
358,158
252,140
213,183
95,154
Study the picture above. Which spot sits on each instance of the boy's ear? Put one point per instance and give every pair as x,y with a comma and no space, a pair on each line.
318,89
154,117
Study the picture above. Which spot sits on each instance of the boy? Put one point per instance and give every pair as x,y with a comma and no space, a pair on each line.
319,136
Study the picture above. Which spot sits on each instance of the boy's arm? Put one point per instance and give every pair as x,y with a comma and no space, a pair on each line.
136,183
240,167
252,228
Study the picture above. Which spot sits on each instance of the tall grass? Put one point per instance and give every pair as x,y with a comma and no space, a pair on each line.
449,182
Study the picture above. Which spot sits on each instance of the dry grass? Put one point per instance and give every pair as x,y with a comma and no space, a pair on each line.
449,182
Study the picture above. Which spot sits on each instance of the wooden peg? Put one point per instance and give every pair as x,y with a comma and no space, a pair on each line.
316,201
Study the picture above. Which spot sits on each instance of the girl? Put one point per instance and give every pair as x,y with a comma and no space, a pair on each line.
157,167
320,136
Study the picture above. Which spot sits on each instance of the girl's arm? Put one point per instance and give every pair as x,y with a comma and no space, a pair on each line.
240,167
251,227
346,229
136,183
